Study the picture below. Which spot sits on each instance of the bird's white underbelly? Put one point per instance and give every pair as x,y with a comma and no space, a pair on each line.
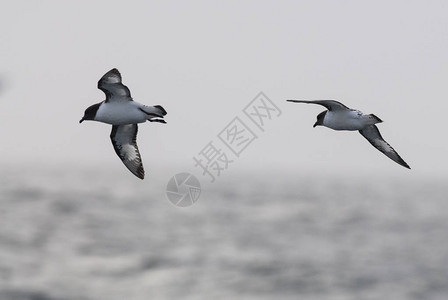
350,120
120,114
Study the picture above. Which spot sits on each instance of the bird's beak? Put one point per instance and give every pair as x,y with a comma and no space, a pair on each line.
315,124
80,121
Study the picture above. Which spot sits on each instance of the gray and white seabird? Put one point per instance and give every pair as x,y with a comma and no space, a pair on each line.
340,117
123,114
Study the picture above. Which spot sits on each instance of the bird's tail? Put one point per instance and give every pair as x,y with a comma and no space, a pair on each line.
155,113
375,118
160,109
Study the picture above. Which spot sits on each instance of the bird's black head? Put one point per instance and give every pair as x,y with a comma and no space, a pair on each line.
320,119
90,112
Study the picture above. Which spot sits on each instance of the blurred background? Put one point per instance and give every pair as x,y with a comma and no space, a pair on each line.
301,213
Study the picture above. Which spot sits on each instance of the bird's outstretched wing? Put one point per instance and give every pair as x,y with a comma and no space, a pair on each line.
124,140
372,134
331,105
111,85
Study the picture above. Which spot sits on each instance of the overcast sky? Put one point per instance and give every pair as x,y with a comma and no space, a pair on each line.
205,61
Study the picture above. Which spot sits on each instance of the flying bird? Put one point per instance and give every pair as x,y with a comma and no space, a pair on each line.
120,111
340,117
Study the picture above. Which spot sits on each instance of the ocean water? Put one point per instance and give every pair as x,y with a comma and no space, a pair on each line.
95,234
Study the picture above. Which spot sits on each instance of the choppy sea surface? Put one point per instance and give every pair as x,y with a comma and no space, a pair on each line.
92,234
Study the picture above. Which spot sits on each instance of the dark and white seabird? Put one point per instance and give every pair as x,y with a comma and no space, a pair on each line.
340,117
123,114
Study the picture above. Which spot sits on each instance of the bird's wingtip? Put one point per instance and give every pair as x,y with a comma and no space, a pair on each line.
139,173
